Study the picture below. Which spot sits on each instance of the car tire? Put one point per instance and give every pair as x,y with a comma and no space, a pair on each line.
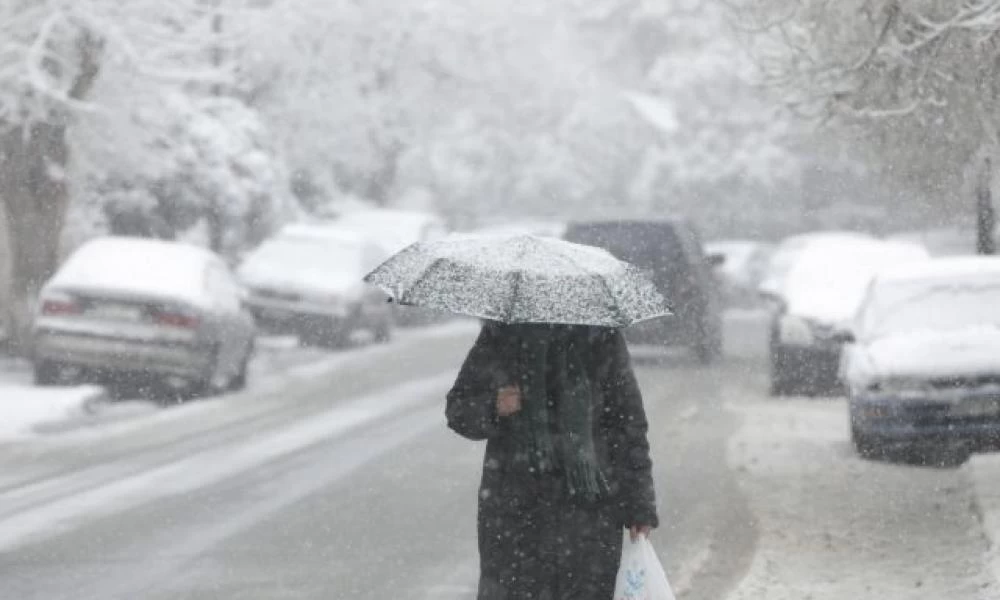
239,381
206,386
867,446
708,343
46,373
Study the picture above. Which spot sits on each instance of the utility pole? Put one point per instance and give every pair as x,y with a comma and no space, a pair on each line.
985,212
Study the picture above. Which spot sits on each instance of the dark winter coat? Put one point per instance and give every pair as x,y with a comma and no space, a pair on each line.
534,541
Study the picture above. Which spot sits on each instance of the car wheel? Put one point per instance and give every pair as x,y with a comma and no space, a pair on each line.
867,446
47,373
207,384
239,381
708,343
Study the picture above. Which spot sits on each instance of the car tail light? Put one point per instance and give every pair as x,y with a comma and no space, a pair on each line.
55,307
177,319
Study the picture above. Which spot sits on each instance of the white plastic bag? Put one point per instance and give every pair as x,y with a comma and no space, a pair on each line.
641,576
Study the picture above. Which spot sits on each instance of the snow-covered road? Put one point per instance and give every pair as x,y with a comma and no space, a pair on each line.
336,478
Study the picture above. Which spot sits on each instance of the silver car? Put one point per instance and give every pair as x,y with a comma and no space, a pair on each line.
163,310
307,281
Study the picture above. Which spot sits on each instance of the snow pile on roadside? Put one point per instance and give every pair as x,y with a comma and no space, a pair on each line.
833,526
22,407
984,470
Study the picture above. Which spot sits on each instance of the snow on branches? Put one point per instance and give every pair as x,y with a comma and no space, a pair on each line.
919,78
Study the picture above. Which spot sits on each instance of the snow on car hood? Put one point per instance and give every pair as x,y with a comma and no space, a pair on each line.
933,354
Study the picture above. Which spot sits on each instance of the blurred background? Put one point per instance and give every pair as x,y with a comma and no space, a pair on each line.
217,121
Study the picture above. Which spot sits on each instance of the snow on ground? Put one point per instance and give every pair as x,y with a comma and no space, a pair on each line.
24,408
985,473
833,526
279,361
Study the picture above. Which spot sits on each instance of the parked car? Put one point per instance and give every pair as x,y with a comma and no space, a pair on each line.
924,364
783,257
145,308
818,298
395,230
310,285
744,265
671,252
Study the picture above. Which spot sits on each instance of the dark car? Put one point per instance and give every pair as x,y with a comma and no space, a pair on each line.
670,251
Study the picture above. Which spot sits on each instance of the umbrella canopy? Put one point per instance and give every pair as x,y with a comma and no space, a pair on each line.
520,279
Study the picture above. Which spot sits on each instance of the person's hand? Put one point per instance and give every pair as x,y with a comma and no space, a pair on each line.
639,530
508,400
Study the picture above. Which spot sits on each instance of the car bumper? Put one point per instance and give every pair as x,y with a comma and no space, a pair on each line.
122,355
929,418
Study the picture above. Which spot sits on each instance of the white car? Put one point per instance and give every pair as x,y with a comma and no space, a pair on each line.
790,249
924,364
394,229
815,304
146,308
309,283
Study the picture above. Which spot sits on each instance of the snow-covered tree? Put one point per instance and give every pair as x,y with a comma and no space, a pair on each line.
685,70
54,57
918,81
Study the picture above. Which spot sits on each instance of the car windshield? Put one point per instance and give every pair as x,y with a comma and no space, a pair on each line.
936,307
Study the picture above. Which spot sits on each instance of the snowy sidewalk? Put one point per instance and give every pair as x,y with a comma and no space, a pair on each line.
984,470
23,407
833,526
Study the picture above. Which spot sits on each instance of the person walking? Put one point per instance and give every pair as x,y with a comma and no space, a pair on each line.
567,464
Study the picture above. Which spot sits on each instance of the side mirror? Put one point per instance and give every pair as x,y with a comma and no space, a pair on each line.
715,260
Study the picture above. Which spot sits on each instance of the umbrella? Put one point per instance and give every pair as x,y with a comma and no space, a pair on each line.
520,279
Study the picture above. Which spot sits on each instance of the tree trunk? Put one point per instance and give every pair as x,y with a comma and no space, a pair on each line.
32,187
33,161
985,213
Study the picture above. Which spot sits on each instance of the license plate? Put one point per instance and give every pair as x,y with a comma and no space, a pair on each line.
977,408
115,312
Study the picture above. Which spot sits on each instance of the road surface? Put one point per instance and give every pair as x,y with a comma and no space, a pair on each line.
346,484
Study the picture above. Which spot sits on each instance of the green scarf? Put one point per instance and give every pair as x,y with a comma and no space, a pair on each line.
556,389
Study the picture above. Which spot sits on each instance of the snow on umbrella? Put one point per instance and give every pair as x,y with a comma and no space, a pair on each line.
520,279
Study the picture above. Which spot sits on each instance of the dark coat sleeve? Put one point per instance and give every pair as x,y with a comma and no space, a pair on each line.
633,465
472,402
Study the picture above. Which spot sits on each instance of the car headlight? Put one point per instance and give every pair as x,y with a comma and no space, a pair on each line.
795,331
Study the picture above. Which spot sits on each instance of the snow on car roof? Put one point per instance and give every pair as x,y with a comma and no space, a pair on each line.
829,279
945,268
148,267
